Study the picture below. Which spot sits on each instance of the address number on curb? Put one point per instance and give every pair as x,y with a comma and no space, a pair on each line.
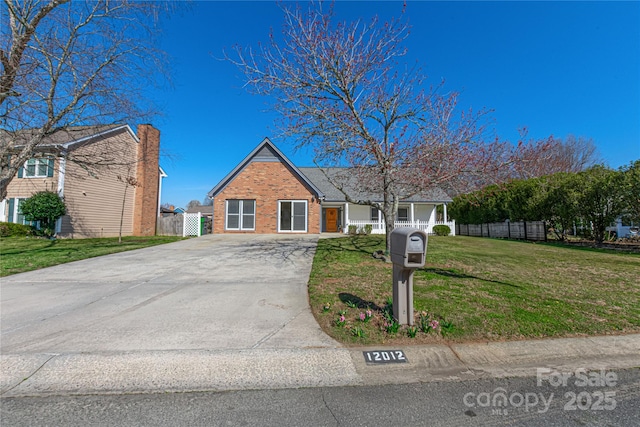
385,356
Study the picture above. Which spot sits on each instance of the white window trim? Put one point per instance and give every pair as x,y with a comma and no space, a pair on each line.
306,216
240,214
16,213
37,160
16,210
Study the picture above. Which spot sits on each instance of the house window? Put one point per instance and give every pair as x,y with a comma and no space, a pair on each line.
374,214
292,215
37,168
403,214
18,217
241,215
15,214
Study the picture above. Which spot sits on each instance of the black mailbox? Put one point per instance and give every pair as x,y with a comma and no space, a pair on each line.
408,247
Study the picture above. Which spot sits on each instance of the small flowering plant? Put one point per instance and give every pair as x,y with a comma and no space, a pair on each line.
391,326
366,316
341,320
326,306
423,322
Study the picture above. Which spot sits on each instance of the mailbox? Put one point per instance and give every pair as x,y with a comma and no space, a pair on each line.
408,252
408,247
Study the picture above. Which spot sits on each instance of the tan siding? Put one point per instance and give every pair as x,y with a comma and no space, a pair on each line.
26,187
94,201
23,188
266,183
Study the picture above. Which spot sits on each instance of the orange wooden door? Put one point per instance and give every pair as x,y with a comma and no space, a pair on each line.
331,218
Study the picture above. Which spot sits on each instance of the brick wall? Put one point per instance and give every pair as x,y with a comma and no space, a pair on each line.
147,176
266,183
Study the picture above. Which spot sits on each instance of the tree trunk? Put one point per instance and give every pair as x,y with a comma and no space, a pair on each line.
388,229
389,210
124,201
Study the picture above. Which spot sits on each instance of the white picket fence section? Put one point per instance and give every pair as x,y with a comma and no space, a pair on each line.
379,227
191,225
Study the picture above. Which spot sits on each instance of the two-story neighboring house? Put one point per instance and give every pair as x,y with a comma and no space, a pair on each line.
106,174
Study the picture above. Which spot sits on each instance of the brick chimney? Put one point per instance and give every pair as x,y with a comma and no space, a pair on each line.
148,180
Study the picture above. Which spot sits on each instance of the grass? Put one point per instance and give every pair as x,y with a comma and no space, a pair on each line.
20,254
488,289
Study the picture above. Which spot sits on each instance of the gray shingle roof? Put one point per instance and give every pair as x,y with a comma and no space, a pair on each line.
332,194
68,136
206,210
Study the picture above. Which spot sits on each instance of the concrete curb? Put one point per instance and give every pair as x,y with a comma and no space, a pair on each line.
502,359
175,371
201,370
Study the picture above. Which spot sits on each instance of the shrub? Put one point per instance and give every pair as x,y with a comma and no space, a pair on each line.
441,230
368,228
46,207
353,229
8,229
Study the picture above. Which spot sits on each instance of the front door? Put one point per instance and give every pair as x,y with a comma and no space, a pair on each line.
331,219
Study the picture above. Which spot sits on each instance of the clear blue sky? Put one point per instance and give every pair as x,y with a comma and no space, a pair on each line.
558,68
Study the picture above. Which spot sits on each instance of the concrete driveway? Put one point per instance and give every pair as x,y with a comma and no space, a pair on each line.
212,293
222,313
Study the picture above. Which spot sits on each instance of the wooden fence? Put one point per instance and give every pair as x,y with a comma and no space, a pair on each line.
170,225
523,230
174,225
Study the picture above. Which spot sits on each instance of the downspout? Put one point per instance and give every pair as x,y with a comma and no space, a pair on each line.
62,169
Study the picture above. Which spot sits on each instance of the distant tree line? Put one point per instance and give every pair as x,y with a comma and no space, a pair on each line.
594,198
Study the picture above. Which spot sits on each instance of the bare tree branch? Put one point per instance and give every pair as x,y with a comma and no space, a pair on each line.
340,90
67,64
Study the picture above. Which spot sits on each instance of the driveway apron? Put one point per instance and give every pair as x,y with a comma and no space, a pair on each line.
217,292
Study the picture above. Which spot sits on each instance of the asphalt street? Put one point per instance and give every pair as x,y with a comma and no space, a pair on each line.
449,403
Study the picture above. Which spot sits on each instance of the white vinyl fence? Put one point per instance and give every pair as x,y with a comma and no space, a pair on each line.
379,227
192,225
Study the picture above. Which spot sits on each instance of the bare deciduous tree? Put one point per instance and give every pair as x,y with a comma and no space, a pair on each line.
128,181
571,154
193,204
67,64
501,161
339,89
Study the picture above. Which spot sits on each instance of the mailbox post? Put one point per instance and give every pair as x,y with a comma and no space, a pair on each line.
408,252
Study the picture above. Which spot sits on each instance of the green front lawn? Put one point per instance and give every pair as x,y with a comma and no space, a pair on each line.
488,289
20,254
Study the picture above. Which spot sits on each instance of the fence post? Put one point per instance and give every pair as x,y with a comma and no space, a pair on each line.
525,230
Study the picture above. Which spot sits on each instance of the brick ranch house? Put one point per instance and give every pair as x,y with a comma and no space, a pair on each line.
92,168
266,193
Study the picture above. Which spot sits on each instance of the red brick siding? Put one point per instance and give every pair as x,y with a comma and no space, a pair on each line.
266,183
147,174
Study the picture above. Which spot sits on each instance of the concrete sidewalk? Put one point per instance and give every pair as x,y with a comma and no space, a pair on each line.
201,370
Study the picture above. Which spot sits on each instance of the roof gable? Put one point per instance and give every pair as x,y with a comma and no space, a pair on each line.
265,152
